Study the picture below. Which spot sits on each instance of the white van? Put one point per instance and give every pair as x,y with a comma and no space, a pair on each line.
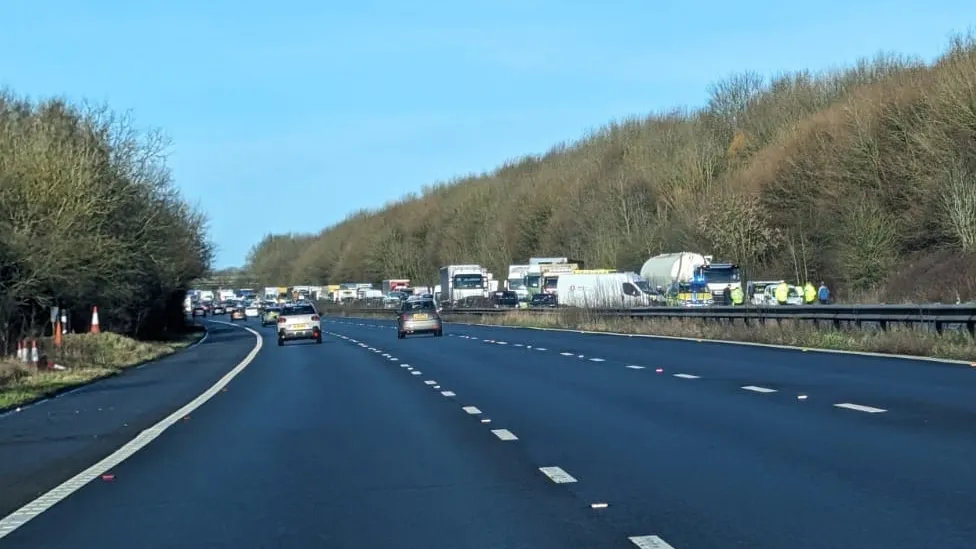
605,291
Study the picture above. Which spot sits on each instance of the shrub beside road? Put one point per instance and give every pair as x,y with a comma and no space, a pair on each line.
85,358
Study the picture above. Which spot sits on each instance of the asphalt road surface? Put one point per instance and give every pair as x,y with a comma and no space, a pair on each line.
504,438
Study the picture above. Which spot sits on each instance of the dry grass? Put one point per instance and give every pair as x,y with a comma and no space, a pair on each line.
896,340
87,357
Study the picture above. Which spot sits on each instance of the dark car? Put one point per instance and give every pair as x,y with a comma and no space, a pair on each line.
219,308
543,300
198,310
418,316
505,298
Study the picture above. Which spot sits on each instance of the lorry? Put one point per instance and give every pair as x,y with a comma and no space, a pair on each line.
550,274
535,281
605,291
690,278
516,281
553,260
395,284
461,283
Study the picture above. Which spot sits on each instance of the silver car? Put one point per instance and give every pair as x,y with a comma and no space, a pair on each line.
418,317
299,322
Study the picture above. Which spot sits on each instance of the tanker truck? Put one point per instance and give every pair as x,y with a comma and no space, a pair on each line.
691,279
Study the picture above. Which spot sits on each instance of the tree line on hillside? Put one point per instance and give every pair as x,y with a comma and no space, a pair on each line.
864,177
89,217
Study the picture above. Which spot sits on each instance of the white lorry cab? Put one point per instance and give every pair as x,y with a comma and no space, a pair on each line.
604,291
460,283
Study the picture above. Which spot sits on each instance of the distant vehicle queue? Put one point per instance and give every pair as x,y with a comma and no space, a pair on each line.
684,279
294,319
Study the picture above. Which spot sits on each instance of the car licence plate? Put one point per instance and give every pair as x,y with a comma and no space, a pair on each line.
300,326
420,317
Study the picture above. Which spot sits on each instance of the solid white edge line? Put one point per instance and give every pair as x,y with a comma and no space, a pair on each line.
650,542
757,389
504,434
727,342
557,475
33,509
860,408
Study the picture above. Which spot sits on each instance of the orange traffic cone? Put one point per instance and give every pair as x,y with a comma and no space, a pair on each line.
57,334
95,328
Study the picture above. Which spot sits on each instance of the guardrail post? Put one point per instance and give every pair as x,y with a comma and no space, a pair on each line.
971,326
939,325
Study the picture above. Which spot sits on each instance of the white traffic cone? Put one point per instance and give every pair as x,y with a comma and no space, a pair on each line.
35,356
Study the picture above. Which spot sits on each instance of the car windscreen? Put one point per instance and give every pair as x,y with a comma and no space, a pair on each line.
298,310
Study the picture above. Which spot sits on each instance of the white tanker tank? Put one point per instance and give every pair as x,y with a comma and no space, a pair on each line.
666,269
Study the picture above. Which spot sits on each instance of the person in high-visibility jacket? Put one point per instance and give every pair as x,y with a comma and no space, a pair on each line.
782,292
809,293
738,296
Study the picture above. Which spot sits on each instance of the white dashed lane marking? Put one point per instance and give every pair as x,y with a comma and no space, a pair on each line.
557,475
566,354
597,360
688,376
416,373
860,408
430,382
504,434
759,389
635,367
448,393
650,542
473,410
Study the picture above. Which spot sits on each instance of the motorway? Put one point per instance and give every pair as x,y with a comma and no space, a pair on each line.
515,438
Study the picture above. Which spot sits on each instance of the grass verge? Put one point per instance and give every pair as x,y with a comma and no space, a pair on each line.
87,358
896,340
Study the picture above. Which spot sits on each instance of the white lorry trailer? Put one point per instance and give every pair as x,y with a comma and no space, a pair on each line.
605,291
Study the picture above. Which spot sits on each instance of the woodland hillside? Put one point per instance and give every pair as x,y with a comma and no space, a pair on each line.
89,217
863,177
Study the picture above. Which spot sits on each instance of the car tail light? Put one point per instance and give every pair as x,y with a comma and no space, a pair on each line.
315,318
281,320
404,316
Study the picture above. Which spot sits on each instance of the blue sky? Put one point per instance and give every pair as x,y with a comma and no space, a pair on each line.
335,106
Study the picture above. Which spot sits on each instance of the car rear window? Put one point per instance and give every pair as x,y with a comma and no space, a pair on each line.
418,306
299,310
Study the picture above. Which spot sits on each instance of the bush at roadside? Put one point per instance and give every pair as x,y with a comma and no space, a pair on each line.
85,358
